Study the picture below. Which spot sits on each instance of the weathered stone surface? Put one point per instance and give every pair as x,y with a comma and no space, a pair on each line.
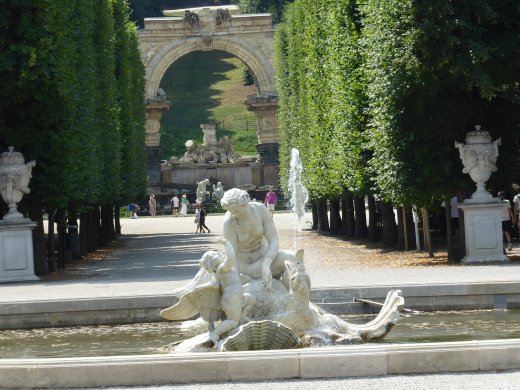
249,37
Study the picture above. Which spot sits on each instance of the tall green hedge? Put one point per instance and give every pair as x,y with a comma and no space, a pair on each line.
320,87
69,104
130,83
434,71
375,93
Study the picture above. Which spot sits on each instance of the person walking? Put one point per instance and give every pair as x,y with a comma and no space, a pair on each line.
270,200
516,210
202,219
153,205
508,218
197,219
184,205
175,205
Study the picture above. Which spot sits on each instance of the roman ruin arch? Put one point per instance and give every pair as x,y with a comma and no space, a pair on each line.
249,37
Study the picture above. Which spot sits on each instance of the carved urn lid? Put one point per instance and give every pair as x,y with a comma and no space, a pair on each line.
478,136
11,157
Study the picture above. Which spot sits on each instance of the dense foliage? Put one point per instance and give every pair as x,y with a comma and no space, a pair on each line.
375,93
153,8
320,89
434,71
273,7
72,99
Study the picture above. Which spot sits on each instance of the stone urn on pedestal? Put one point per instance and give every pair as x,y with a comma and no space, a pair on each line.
479,156
14,181
16,247
482,212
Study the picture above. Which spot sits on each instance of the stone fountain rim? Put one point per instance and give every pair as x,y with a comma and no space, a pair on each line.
320,362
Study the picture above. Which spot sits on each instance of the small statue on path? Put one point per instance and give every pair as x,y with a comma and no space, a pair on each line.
218,191
201,190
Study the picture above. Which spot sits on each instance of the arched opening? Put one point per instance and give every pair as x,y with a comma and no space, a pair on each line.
207,87
248,37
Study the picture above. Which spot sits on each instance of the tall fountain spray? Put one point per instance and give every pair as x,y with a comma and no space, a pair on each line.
298,192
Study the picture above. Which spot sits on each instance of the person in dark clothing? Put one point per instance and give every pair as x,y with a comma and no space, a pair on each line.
202,220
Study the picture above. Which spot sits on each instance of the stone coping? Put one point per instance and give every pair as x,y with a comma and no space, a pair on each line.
321,295
145,308
324,362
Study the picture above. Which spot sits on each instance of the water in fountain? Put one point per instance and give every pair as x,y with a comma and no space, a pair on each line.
153,338
298,192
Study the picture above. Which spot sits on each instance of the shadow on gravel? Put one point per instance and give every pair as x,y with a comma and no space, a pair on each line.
153,257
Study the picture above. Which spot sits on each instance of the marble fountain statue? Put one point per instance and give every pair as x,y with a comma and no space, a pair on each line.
256,296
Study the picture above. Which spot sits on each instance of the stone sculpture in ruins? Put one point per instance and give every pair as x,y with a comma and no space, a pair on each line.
211,151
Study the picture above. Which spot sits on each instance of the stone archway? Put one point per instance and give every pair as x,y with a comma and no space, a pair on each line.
249,37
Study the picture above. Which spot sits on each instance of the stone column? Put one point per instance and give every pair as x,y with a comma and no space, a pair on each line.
265,108
154,112
270,163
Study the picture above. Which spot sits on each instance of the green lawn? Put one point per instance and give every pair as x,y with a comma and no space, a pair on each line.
206,87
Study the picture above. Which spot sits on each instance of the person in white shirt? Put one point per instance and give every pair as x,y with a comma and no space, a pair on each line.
175,205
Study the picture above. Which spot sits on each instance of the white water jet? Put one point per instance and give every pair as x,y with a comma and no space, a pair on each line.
298,192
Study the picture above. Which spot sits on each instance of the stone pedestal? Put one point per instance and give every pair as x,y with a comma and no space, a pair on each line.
154,111
483,227
265,108
16,251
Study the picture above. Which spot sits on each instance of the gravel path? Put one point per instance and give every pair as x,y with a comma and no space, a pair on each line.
157,255
505,380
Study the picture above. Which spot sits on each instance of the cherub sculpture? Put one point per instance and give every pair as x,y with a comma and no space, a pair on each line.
221,299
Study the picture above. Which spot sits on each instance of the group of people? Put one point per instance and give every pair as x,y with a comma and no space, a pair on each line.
183,203
180,208
200,212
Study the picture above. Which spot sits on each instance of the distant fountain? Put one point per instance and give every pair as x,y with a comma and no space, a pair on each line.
298,192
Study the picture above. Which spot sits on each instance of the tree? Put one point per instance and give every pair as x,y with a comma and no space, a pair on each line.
273,7
433,72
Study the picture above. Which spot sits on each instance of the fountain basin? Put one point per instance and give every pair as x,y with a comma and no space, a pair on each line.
338,361
156,337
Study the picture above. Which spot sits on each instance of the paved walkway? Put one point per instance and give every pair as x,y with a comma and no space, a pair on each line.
158,255
504,380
